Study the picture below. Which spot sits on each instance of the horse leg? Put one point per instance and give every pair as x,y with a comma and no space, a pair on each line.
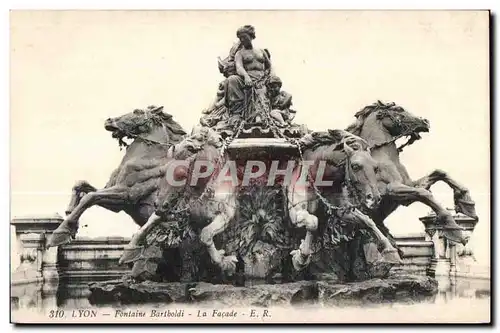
140,212
219,224
302,218
389,252
387,206
451,230
133,250
299,205
81,188
68,228
463,201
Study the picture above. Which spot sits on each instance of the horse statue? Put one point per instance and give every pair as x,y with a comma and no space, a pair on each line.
381,124
348,163
207,203
133,186
353,176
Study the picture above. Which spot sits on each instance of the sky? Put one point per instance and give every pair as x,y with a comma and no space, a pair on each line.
70,70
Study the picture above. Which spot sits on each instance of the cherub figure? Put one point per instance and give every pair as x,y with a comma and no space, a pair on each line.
281,101
219,99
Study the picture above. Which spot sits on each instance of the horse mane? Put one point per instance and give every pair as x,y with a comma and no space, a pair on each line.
177,133
355,128
209,144
335,137
158,117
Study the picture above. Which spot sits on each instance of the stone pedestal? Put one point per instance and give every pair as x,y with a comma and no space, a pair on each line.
324,290
449,258
439,267
32,295
37,263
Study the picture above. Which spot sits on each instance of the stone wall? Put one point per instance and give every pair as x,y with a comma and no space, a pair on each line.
417,252
97,258
34,263
93,259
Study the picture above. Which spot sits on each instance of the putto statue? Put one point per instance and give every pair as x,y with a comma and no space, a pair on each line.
250,194
281,102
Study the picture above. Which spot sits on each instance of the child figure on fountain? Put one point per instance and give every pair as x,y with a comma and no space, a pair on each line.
281,101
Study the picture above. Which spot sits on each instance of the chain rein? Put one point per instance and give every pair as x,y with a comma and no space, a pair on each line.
222,159
406,132
149,142
209,188
339,210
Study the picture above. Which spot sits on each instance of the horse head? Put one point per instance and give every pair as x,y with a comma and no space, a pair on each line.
352,164
382,123
150,124
361,172
200,138
202,145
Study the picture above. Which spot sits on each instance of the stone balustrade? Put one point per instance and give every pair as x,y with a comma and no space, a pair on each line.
417,253
37,263
450,258
92,259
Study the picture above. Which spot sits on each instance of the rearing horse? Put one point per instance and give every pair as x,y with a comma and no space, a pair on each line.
208,202
381,125
351,171
134,184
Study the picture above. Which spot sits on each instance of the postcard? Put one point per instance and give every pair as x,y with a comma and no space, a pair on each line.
250,166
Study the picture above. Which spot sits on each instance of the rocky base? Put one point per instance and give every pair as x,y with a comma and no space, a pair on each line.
323,290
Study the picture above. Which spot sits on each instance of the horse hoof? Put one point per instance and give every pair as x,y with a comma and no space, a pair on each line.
228,264
59,238
311,223
131,254
299,261
446,221
455,235
391,257
466,207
